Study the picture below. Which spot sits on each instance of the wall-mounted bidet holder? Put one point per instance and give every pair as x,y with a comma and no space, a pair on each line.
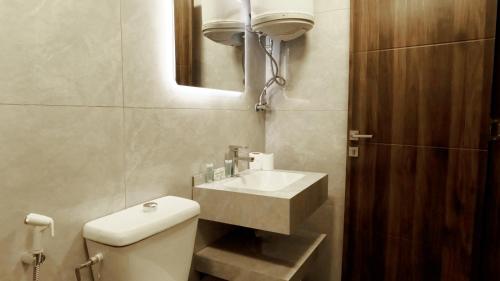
35,256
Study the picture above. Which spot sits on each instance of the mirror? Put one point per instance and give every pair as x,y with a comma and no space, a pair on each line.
209,44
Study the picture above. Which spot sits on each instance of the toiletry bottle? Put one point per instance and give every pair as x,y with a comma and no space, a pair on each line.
228,165
209,173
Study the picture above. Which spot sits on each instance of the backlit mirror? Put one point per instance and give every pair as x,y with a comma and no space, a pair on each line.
209,43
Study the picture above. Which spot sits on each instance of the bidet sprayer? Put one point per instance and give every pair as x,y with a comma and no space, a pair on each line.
40,223
35,256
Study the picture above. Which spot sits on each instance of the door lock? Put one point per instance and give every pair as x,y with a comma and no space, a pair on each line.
353,151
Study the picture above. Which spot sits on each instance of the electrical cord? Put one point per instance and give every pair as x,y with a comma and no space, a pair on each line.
275,79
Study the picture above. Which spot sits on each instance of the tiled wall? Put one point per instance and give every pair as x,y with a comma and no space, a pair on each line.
88,126
307,127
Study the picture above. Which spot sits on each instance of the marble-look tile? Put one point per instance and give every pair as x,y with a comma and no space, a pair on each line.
317,67
329,220
337,241
165,147
315,141
64,162
321,6
144,46
60,52
312,141
322,222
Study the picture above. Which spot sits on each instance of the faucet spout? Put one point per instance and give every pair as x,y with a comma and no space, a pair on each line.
247,159
234,152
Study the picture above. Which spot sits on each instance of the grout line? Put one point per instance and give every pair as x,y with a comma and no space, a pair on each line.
331,10
425,45
59,105
124,139
122,107
310,110
121,50
188,108
426,146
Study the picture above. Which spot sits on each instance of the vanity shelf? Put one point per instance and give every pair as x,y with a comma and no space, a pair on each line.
245,255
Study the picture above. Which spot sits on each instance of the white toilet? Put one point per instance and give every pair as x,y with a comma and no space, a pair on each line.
152,241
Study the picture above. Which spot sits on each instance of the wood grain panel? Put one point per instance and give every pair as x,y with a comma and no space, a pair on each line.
489,242
184,41
385,24
433,96
412,213
489,267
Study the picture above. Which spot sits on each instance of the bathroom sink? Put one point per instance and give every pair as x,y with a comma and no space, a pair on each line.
276,201
264,180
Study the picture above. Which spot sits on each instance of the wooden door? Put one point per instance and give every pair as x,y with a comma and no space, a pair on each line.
488,256
421,76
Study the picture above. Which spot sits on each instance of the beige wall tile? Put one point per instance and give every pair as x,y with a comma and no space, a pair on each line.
60,52
310,140
337,241
322,222
315,141
328,219
308,125
321,6
62,162
317,68
166,147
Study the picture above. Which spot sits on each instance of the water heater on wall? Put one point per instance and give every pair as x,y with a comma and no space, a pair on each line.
223,21
282,19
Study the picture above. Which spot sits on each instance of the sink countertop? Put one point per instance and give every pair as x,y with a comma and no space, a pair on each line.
279,211
285,193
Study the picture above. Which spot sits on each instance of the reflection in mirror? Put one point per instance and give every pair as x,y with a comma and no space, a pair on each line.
209,45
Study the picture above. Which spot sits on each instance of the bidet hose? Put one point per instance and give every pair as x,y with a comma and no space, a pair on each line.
36,272
38,259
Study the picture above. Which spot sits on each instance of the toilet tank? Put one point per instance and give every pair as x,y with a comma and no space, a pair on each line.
145,243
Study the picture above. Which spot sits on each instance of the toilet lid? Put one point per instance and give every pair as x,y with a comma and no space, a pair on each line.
141,221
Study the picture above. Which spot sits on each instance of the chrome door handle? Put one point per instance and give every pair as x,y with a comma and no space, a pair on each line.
354,135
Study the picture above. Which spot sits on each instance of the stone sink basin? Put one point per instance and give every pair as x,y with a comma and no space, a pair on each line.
264,180
276,201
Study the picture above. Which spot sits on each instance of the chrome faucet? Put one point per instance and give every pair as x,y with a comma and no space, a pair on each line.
234,154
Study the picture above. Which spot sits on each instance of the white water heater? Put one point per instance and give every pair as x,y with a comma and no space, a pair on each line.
223,21
282,19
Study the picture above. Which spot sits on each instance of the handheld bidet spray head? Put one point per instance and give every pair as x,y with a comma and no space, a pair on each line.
40,223
35,256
